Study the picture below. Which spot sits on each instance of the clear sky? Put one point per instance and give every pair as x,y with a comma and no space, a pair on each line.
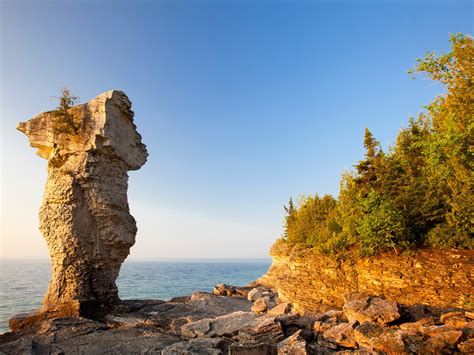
240,103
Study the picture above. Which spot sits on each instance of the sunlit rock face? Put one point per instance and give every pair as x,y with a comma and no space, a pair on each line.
85,215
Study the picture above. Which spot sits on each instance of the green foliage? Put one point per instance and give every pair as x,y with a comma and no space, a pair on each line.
419,193
290,210
382,227
309,222
64,120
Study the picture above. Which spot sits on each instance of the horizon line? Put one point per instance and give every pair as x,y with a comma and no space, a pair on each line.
143,259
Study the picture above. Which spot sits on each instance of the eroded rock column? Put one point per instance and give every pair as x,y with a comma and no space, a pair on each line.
85,217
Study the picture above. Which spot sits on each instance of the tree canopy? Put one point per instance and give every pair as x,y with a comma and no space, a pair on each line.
420,192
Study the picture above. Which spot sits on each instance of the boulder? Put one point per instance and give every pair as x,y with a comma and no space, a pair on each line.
320,327
414,313
418,326
398,342
208,346
467,347
255,294
443,342
295,320
321,342
469,315
336,315
293,345
281,309
365,332
445,316
270,294
231,291
265,329
430,330
371,309
342,334
457,321
252,348
261,305
225,325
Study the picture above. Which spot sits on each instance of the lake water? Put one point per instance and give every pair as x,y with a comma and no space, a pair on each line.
23,283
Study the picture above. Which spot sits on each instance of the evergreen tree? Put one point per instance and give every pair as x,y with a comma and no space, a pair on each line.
419,193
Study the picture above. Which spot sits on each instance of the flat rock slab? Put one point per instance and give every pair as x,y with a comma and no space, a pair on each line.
207,346
371,309
225,325
295,344
266,329
170,316
342,334
86,337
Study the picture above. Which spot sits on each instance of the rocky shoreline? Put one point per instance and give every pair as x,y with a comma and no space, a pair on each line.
247,320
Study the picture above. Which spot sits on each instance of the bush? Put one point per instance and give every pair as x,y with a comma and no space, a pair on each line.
382,227
64,121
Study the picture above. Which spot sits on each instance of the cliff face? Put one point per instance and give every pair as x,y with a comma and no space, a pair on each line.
313,282
85,217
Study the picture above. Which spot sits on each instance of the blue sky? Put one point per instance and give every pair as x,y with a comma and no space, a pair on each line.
240,103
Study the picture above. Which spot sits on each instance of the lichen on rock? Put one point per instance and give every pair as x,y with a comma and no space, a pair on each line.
84,216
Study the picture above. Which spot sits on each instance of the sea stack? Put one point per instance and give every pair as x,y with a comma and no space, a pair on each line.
85,216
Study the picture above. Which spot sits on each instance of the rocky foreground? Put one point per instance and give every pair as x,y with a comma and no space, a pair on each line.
248,320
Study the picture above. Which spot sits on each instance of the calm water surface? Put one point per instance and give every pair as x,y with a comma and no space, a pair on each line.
24,282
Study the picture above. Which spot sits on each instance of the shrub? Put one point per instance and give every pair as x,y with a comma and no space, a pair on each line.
382,226
64,121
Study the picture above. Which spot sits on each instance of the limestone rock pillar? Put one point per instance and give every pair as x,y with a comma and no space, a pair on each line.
85,217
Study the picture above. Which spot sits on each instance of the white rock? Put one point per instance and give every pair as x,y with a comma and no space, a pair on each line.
85,215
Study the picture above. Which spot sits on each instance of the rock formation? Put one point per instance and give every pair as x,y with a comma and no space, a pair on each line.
313,282
85,217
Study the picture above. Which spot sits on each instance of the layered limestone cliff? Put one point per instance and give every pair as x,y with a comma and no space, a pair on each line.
313,282
85,217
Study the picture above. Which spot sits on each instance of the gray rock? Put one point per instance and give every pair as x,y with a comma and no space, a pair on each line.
202,346
225,325
76,336
281,309
200,306
20,346
252,348
371,309
261,305
231,291
297,321
265,329
293,345
255,294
